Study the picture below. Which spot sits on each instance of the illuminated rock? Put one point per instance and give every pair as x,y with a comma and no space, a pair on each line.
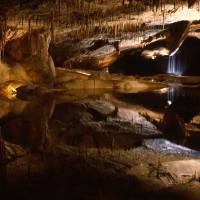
31,53
180,171
9,89
174,35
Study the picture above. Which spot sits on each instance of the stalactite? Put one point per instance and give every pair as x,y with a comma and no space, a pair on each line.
156,4
52,27
174,4
182,4
1,41
3,27
163,20
29,25
191,2
59,11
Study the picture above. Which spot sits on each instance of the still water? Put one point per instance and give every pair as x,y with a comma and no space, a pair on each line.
30,122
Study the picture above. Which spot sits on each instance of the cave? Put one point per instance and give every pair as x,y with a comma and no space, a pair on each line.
100,99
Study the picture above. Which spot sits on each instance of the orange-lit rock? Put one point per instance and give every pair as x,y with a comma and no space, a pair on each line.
31,52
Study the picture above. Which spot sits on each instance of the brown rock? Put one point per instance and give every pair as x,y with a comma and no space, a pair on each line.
31,52
180,171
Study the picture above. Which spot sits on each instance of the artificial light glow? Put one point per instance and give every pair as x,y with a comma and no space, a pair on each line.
163,90
174,52
169,102
153,54
147,54
163,51
10,90
82,72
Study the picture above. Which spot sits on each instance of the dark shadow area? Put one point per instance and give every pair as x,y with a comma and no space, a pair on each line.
132,62
188,56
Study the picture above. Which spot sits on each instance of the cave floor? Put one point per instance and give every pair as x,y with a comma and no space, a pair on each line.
104,145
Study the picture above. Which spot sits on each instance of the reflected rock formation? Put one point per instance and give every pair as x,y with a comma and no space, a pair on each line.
29,126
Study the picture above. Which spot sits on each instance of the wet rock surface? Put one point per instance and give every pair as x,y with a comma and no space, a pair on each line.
167,147
181,171
101,125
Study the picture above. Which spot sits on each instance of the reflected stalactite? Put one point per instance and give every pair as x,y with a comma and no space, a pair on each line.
30,125
2,149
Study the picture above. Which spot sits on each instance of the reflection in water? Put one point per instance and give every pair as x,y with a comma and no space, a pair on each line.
185,105
167,147
170,95
173,93
30,125
27,122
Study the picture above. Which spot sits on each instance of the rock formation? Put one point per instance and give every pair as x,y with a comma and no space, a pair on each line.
31,52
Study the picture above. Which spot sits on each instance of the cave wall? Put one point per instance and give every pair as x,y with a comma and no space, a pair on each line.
31,53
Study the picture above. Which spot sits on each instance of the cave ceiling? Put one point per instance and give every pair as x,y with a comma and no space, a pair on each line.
6,5
62,14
